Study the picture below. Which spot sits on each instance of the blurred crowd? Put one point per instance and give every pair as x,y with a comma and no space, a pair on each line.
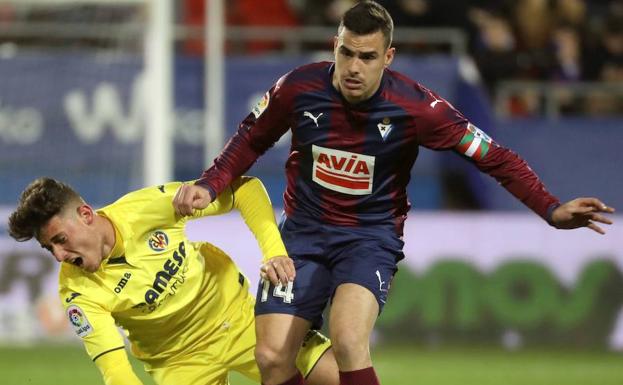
561,40
558,41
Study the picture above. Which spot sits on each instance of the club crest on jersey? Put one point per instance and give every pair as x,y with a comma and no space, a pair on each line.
158,241
343,171
261,105
79,321
475,143
385,127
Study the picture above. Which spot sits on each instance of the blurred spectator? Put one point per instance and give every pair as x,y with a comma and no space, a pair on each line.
494,47
611,60
534,24
533,21
321,12
7,12
571,12
253,13
410,13
193,15
567,49
85,16
244,13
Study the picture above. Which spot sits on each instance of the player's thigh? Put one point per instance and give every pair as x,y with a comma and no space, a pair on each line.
232,349
240,349
354,310
362,276
279,337
304,298
368,264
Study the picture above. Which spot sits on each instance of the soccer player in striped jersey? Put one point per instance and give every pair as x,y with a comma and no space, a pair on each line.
185,306
356,128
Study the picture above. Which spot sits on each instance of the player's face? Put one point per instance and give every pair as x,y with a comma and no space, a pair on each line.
359,64
71,238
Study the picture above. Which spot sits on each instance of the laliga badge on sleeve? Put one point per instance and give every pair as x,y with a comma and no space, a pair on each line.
261,105
79,321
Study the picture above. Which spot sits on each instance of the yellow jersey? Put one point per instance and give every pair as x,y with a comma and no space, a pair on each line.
167,293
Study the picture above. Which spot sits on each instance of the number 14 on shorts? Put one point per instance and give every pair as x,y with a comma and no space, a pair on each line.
280,291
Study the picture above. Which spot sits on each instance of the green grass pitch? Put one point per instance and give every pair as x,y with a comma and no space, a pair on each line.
56,365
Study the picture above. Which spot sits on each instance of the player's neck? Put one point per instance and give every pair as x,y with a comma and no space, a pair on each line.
108,234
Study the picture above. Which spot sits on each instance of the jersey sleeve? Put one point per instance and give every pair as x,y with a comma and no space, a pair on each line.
258,132
248,195
92,323
116,369
251,199
448,129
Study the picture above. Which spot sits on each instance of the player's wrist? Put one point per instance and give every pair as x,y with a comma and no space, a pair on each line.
204,184
550,217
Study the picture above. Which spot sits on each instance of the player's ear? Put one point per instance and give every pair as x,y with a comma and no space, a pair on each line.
389,56
86,213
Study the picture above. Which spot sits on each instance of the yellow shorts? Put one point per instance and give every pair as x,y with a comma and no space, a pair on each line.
231,349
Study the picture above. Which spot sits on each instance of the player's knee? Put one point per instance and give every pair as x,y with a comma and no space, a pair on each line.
269,358
350,346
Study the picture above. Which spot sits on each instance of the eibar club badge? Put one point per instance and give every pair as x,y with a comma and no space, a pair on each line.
385,127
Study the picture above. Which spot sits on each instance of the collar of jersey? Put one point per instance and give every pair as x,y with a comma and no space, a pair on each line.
117,253
121,229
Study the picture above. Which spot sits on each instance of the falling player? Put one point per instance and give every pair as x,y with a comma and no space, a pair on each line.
185,305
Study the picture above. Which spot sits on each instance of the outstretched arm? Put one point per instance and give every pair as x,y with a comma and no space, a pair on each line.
94,324
251,198
248,195
581,212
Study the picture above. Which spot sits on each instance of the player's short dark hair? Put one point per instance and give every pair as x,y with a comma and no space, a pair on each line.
367,17
38,203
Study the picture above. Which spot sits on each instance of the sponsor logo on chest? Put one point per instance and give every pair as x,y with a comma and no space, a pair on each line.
122,282
343,171
167,281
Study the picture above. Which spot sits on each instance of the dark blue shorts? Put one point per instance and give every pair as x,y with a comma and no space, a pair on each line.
325,257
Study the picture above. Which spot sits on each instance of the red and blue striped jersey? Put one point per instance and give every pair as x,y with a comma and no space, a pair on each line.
350,164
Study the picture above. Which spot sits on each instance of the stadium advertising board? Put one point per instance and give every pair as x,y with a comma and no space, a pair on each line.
504,278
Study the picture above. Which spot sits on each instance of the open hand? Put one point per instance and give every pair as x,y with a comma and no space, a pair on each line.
582,212
278,269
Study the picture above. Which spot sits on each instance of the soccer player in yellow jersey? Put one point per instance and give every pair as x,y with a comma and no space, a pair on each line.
184,305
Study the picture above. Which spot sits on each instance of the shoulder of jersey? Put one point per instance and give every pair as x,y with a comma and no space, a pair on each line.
306,72
402,84
71,277
151,192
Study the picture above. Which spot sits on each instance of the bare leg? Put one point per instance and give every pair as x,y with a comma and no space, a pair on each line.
325,372
353,314
279,338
